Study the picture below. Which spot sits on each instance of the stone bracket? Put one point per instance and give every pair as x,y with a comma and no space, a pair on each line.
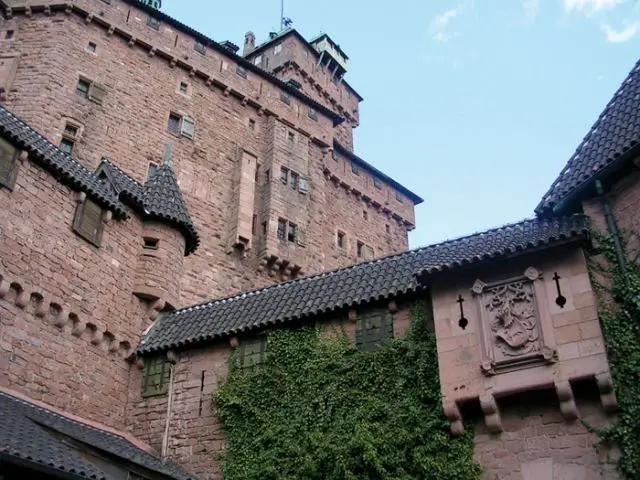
492,418
607,394
567,401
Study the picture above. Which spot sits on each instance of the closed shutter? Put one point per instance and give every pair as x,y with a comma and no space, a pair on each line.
301,236
373,328
188,127
303,185
88,223
368,252
8,164
155,380
96,93
252,352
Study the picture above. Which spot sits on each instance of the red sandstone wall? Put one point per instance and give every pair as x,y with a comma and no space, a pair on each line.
86,322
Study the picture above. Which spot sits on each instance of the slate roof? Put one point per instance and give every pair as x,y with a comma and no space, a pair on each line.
26,435
159,198
353,286
614,134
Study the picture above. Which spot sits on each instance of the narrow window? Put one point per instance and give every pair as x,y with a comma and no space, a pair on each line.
340,239
200,48
150,243
267,176
293,231
373,328
254,222
241,71
184,88
88,221
91,47
264,228
290,138
69,138
82,88
155,378
359,248
285,98
9,34
368,252
399,197
313,115
174,123
8,164
252,351
151,169
377,183
252,124
153,22
365,215
282,229
388,228
295,180
284,175
355,169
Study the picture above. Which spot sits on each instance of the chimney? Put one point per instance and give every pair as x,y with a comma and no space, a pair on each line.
249,43
272,35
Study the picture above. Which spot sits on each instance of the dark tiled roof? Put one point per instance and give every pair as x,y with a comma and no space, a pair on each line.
33,434
416,199
615,133
160,198
63,166
352,286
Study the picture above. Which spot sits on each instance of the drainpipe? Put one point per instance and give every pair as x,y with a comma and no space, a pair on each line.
612,228
165,438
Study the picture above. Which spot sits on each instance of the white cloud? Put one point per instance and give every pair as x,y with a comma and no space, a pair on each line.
531,10
440,26
623,35
590,5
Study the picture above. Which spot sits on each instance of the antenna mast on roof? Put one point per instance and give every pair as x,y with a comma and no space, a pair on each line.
285,22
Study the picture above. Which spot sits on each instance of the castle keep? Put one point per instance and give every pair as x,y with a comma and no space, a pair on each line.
166,198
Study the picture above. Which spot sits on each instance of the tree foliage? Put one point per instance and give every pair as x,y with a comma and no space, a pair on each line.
320,409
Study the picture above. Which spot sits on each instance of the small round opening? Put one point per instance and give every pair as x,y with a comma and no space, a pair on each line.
463,322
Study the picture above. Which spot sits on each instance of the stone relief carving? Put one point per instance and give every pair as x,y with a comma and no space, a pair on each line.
511,331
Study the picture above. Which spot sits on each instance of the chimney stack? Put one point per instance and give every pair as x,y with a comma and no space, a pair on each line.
249,43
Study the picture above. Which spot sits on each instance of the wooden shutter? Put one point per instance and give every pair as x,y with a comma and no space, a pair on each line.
155,379
188,127
303,186
373,328
252,352
88,221
96,93
301,236
8,163
368,252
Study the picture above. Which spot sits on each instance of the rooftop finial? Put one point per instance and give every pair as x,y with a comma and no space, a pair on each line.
166,159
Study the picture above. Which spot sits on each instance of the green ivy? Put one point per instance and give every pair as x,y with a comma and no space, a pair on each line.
320,409
619,301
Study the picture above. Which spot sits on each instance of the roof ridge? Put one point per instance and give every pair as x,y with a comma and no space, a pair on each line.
412,251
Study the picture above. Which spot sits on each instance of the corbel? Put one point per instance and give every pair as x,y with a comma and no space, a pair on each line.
607,394
78,328
68,8
452,412
108,216
89,18
152,52
61,318
139,363
47,10
492,418
98,337
41,307
80,197
173,62
27,11
9,13
567,401
393,306
132,41
23,157
261,111
111,30
113,345
5,286
192,72
352,315
22,299
227,91
172,357
209,81
244,102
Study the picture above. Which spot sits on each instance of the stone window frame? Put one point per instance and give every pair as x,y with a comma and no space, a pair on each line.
252,351
153,23
71,134
185,125
82,215
157,369
8,180
341,239
241,71
373,328
200,48
95,91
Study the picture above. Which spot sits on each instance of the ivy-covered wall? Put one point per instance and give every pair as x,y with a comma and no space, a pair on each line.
318,408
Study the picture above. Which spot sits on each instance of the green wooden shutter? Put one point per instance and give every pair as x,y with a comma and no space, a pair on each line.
156,376
88,222
373,328
252,352
7,163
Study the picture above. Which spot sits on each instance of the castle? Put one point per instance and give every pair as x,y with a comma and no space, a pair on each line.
165,198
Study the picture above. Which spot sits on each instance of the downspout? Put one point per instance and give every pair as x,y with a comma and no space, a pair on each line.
612,228
165,438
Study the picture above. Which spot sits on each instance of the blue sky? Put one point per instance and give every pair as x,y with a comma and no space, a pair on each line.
475,105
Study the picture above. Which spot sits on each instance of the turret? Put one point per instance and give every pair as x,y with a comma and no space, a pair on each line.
249,43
